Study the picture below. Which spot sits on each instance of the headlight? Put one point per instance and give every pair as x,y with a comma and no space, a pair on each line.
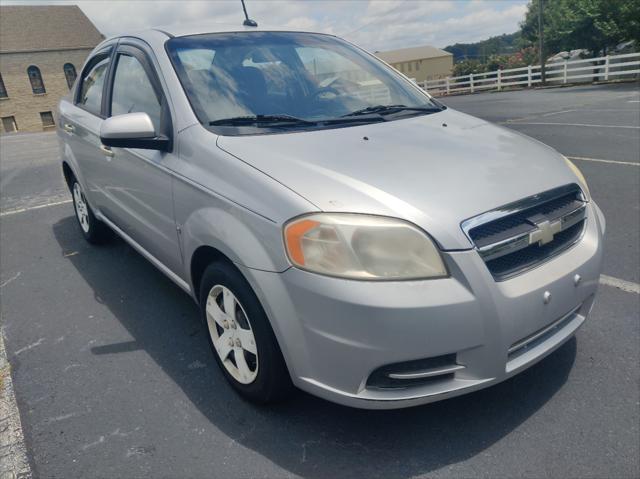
578,173
362,247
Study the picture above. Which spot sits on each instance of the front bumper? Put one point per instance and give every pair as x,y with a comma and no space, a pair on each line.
334,333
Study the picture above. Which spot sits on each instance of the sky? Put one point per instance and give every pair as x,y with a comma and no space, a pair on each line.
376,25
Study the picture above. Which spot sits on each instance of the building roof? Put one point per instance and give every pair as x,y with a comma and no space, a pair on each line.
413,53
42,28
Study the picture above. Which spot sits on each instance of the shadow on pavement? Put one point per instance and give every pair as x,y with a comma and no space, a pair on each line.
306,436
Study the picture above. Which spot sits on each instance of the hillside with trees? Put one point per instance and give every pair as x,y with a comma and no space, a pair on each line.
482,50
595,26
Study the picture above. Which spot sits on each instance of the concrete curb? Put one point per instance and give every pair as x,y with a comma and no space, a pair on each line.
13,453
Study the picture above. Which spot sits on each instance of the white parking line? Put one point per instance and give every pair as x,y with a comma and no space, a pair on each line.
633,101
582,158
627,127
621,284
22,210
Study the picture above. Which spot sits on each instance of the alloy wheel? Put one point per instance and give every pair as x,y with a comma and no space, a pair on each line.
231,334
82,210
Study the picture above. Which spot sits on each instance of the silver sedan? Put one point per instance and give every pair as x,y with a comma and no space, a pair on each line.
341,230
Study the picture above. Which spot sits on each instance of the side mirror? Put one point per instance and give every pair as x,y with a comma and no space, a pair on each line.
132,130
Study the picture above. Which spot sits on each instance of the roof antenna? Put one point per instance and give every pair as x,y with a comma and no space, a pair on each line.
247,21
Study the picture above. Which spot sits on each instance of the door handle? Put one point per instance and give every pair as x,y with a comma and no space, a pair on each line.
107,151
69,128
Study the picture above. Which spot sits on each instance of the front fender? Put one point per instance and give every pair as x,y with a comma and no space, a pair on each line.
223,202
242,236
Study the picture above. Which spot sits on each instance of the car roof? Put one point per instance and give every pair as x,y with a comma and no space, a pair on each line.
186,29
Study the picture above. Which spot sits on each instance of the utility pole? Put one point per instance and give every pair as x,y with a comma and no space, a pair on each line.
541,42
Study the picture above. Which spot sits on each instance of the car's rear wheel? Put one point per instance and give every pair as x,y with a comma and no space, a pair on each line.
241,337
93,230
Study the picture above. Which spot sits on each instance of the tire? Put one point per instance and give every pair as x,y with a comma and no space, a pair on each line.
265,379
93,230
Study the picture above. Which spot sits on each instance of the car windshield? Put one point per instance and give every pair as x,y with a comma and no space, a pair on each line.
257,82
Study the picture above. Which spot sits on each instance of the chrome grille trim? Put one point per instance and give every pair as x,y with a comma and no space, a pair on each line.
521,241
526,229
517,206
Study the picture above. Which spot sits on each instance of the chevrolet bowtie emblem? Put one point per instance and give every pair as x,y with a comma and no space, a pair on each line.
545,232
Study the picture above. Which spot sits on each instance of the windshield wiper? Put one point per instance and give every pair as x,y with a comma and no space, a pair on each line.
264,120
347,119
288,120
388,109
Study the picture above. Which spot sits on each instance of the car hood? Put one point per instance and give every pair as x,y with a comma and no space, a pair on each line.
433,170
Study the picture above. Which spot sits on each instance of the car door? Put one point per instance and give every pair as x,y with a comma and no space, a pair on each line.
137,185
81,120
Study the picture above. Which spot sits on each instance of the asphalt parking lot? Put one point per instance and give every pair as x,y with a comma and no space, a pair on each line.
114,377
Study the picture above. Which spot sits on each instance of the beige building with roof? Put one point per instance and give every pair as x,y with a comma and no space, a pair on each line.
42,49
420,63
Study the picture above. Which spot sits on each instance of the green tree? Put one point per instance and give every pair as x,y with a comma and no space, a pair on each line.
630,21
497,61
595,25
468,66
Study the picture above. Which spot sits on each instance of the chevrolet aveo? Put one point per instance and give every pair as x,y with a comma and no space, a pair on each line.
341,230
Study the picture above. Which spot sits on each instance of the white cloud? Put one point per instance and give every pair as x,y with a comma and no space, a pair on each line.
302,23
483,23
425,25
373,24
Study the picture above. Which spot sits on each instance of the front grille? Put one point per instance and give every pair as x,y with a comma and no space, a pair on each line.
525,258
488,232
519,236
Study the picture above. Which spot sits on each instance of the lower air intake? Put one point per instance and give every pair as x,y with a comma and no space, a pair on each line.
414,373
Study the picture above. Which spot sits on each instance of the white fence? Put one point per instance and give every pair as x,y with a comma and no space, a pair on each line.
601,69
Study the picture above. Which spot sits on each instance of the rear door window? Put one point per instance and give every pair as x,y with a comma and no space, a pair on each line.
92,85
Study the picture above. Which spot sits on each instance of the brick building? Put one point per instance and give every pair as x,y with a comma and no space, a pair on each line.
42,49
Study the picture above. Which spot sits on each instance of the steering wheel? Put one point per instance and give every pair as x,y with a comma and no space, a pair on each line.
318,94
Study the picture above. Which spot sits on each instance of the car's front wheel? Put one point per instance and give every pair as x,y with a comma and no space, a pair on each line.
241,337
93,230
